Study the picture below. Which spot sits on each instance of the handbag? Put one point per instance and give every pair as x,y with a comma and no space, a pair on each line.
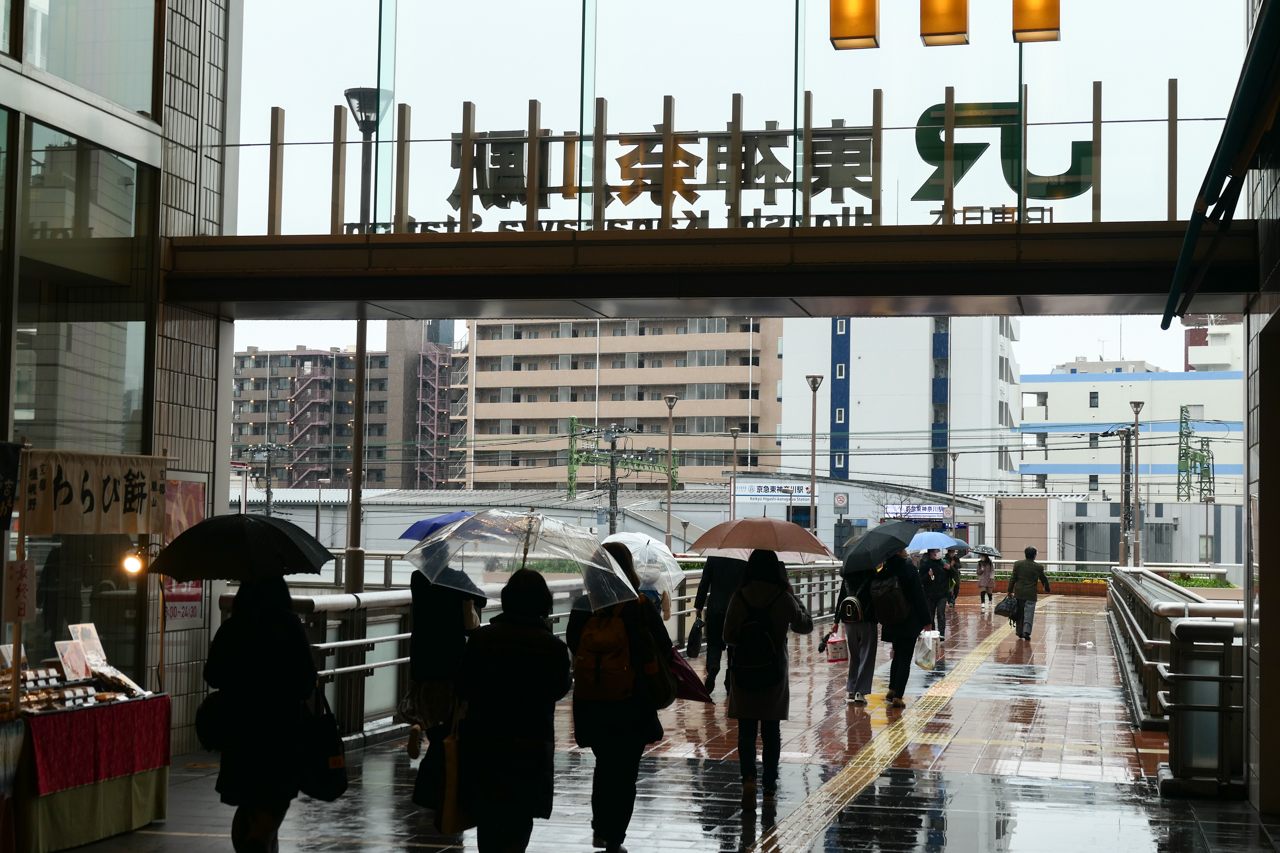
656,670
323,775
688,685
451,817
1008,607
837,647
694,646
213,725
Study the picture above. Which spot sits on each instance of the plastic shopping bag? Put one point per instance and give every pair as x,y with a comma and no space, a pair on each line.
837,647
926,656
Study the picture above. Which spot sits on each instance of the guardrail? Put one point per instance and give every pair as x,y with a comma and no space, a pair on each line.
360,641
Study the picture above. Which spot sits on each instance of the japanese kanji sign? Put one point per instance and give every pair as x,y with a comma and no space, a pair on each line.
20,591
91,493
773,492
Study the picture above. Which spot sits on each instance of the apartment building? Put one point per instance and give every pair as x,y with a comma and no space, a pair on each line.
529,382
294,411
899,396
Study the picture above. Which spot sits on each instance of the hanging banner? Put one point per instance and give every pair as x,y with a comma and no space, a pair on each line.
10,454
93,493
183,600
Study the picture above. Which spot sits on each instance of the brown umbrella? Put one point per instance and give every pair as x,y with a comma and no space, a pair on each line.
738,538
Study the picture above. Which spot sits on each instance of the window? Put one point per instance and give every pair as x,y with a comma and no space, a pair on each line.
553,398
840,328
619,365
619,333
704,391
531,430
754,360
1093,439
1093,482
617,397
753,428
531,398
1042,482
839,416
495,398
839,371
1093,399
533,336
588,396
533,365
705,358
744,394
840,456
589,333
655,362
588,365
1206,549
655,330
554,365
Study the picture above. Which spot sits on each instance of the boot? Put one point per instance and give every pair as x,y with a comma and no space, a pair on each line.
710,682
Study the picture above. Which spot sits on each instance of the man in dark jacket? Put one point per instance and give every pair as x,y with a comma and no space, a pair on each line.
721,577
936,576
1022,586
903,634
511,674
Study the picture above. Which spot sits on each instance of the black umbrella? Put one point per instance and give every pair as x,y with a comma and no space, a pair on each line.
989,550
243,548
875,546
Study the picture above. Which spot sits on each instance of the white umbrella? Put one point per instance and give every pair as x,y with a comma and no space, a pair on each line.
655,564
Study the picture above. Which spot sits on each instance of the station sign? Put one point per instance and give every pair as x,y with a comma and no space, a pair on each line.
918,512
772,492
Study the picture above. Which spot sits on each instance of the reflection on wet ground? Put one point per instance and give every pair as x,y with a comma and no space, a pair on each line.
1027,746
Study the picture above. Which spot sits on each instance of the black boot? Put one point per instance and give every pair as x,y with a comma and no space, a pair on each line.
710,682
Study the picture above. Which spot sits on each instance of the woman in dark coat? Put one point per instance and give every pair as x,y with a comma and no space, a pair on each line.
618,731
764,586
903,635
261,660
513,671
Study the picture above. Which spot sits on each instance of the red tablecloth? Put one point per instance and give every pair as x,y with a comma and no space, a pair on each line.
87,745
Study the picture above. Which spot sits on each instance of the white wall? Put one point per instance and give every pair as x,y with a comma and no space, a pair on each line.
806,349
976,391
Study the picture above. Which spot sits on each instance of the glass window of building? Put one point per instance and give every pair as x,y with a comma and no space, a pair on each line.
106,46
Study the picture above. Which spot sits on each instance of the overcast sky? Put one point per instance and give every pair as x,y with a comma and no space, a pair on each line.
501,53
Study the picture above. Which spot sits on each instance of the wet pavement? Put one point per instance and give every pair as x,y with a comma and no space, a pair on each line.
1008,745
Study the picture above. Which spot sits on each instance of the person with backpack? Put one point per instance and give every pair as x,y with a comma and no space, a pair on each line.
615,706
936,577
755,627
857,616
721,577
903,613
511,674
1022,586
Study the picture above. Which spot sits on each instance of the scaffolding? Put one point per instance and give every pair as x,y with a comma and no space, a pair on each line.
431,467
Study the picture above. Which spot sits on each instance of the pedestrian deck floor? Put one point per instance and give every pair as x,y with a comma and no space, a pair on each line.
1006,746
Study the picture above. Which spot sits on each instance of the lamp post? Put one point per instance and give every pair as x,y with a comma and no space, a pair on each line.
733,481
684,547
1137,504
815,381
321,482
364,107
670,400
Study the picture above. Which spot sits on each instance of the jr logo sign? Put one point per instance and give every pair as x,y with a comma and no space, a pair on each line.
929,143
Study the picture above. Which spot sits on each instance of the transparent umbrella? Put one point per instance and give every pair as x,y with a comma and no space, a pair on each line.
654,562
491,545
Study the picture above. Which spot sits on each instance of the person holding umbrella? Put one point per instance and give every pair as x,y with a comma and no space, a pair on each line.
857,614
986,581
613,713
903,613
936,578
260,660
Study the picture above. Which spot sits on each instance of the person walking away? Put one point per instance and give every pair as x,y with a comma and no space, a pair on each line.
613,714
721,577
755,627
442,619
953,560
510,675
903,612
261,660
860,635
935,577
1022,586
986,583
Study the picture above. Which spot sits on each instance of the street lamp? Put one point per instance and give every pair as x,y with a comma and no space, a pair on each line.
1137,504
955,528
814,380
321,482
684,548
944,22
364,105
670,400
732,497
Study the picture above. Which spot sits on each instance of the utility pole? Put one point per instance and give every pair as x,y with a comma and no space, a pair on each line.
613,478
270,448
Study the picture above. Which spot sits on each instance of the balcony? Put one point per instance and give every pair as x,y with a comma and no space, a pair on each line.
1035,414
610,345
1210,357
459,377
668,375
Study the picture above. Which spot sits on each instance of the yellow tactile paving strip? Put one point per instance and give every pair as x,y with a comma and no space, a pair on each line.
798,830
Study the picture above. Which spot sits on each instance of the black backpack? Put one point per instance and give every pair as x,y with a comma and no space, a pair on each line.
759,661
889,600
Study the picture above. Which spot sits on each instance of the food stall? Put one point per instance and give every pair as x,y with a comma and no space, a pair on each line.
84,750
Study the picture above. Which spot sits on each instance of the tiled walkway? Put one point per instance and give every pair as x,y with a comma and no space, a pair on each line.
1007,746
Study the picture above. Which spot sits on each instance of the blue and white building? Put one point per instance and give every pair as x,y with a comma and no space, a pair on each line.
899,396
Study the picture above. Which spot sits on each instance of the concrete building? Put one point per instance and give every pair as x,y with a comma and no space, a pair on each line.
293,410
1067,414
899,396
530,382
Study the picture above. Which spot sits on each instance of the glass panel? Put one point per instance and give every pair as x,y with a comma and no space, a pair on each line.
86,266
106,46
6,9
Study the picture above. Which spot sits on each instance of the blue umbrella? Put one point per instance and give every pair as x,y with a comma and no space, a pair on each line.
422,529
928,540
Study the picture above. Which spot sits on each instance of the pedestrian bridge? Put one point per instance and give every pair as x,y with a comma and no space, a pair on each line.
1007,746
